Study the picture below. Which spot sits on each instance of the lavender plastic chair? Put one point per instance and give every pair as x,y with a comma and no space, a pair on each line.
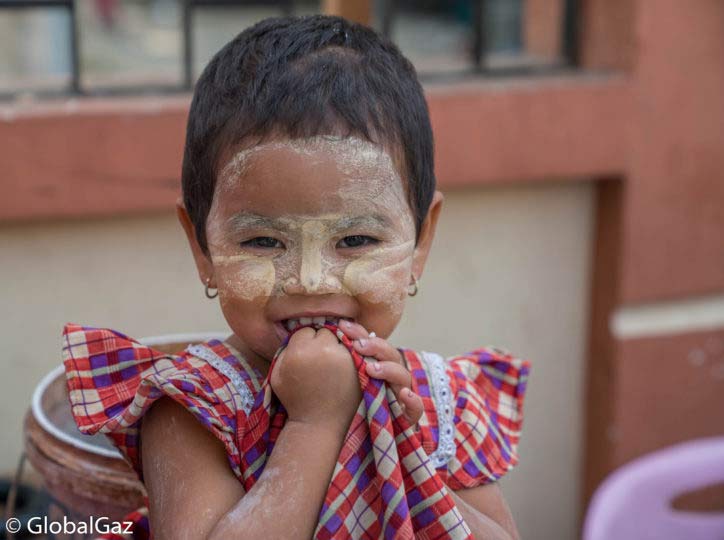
634,502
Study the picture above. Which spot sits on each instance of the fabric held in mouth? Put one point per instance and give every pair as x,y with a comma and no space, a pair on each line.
391,479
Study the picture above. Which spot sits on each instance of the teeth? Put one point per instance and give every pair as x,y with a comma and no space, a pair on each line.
292,324
318,322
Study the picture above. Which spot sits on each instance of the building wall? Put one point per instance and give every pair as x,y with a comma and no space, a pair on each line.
660,254
503,260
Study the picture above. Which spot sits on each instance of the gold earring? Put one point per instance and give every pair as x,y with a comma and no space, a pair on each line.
414,285
206,290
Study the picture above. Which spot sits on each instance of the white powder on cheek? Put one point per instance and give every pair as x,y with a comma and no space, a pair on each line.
381,274
244,276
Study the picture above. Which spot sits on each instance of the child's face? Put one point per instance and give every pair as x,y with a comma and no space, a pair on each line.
311,227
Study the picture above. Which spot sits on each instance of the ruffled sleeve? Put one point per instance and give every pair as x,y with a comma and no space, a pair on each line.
113,380
473,412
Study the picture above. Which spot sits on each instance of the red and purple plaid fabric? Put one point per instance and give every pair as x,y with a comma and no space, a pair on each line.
390,480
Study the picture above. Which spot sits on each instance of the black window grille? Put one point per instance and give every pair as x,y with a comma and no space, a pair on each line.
388,12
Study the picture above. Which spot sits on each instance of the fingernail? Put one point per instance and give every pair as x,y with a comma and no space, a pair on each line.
372,334
362,342
376,367
408,392
345,323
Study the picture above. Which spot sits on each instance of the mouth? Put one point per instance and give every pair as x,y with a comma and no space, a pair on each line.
285,327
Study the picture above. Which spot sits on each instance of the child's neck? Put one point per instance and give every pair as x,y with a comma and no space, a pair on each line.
256,361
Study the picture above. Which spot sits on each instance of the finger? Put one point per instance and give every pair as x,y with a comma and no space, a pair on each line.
411,404
324,333
379,348
353,330
326,336
390,372
301,335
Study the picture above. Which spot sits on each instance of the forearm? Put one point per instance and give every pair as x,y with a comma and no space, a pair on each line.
286,500
482,527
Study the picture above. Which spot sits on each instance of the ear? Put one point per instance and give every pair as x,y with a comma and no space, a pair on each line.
203,262
427,233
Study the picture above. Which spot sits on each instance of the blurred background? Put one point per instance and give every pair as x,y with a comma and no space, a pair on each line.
578,145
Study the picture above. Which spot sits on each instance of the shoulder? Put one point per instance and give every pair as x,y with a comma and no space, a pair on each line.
113,380
473,412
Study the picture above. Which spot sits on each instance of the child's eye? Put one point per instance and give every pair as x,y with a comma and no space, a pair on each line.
356,240
265,242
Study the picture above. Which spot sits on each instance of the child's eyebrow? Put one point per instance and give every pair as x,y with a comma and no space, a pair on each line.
360,221
244,220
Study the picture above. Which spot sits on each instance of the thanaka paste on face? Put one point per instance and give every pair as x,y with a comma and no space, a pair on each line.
310,262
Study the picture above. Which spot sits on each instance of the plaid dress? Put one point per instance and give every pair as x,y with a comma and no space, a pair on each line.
391,479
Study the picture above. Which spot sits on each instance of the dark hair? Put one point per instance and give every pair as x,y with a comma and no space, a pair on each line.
300,77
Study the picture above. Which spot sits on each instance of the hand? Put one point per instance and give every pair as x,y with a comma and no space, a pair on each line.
390,367
316,380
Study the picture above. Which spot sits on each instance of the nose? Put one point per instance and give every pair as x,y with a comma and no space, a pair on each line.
316,272
313,280
311,274
314,276
293,286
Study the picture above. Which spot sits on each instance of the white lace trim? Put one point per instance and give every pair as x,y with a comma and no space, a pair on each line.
442,397
247,398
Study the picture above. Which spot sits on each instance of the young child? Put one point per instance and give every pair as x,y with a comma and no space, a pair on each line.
310,207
